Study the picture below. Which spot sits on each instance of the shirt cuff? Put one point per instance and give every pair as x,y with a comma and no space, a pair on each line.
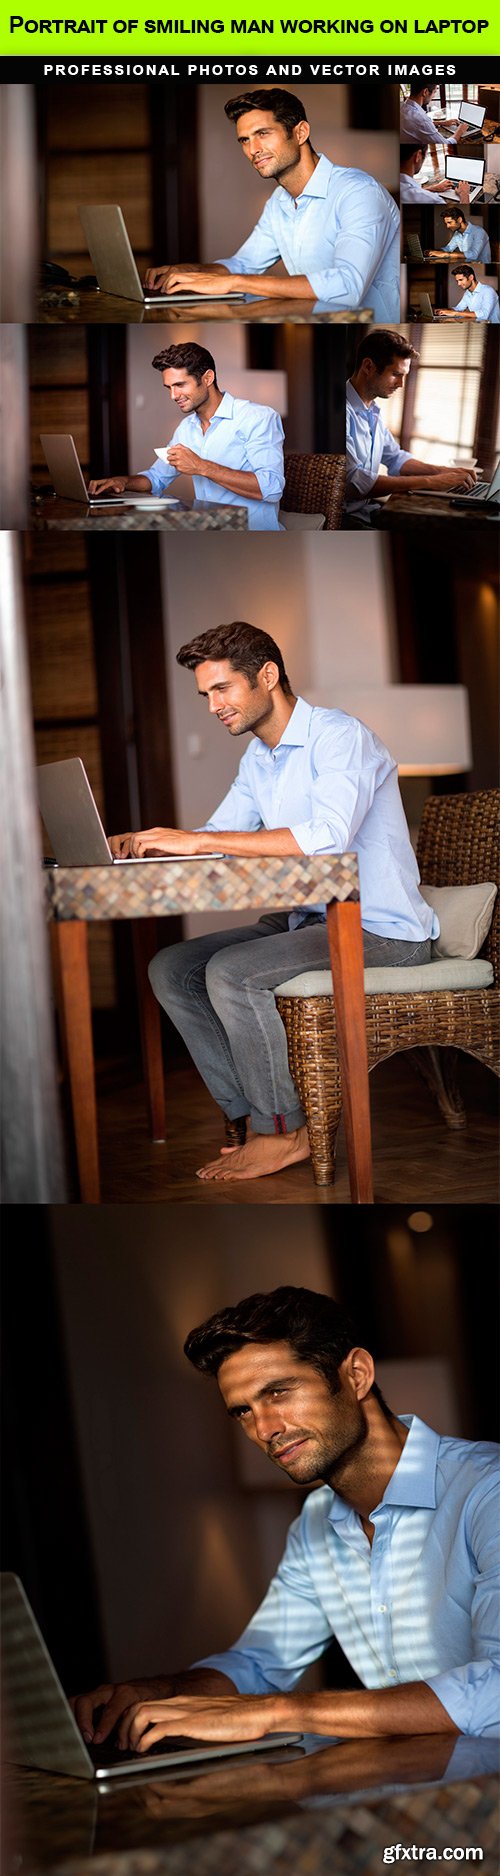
239,1668
471,1696
316,837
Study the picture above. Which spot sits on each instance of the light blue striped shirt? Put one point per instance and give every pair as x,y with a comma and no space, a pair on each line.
422,1604
342,232
483,302
240,435
369,444
334,784
472,241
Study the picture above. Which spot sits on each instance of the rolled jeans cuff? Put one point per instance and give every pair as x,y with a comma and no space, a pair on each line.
277,1123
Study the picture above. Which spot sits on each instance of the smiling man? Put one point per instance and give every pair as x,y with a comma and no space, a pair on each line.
479,300
232,449
335,229
383,362
396,1556
312,781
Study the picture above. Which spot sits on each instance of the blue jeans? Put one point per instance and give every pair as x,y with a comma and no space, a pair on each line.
219,992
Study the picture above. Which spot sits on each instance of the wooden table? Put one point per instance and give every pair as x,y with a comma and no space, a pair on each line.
144,892
334,1807
104,309
51,512
436,511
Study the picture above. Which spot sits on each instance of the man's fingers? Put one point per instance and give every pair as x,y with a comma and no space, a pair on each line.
84,1707
111,1714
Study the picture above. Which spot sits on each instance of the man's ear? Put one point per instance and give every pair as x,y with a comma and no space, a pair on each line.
359,1371
303,131
270,674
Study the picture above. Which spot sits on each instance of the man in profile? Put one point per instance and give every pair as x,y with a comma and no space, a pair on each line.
232,448
396,1555
411,161
312,781
335,229
416,120
383,362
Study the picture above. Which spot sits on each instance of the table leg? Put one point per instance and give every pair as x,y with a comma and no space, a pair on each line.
145,943
346,956
70,952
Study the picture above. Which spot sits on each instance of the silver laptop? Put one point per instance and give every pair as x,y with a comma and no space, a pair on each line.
41,1730
73,823
466,169
414,247
109,246
484,495
69,482
427,311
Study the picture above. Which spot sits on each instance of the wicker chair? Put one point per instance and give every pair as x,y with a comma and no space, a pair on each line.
457,846
315,485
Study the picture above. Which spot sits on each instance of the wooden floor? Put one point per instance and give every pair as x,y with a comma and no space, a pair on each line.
417,1159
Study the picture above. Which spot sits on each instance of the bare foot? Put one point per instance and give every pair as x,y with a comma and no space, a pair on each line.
263,1153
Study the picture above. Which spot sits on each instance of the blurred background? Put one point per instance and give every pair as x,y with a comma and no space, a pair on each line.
143,1525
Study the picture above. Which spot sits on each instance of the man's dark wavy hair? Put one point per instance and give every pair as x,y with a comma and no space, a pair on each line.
286,108
406,150
191,358
319,1331
246,648
465,268
382,346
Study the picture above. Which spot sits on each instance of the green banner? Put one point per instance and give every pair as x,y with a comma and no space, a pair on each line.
305,29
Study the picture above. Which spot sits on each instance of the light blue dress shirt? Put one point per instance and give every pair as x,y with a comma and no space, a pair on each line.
242,436
412,191
342,232
420,1604
369,444
483,302
472,241
334,784
417,125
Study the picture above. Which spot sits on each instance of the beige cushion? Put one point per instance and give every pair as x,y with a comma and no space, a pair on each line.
465,914
297,523
448,974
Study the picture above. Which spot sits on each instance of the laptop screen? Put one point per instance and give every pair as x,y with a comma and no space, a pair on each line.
464,169
472,114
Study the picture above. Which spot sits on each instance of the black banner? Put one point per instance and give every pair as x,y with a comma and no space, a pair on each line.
169,66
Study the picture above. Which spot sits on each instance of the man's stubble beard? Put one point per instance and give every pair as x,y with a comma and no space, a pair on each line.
332,1458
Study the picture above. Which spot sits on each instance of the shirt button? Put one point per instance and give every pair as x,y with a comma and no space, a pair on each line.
383,1608
392,1674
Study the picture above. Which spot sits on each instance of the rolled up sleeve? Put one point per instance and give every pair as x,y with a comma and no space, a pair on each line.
471,1694
264,449
343,789
273,1652
258,252
160,474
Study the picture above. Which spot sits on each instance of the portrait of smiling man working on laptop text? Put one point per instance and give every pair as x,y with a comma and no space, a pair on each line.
335,229
313,781
396,1556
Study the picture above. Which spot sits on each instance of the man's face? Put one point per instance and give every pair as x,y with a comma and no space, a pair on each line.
286,1408
239,705
185,391
392,378
270,148
463,281
450,223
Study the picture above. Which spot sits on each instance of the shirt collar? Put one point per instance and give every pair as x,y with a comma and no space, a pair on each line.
413,1482
319,182
367,410
295,735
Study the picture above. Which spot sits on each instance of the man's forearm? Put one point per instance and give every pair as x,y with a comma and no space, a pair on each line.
203,1681
275,287
270,841
240,481
410,1708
